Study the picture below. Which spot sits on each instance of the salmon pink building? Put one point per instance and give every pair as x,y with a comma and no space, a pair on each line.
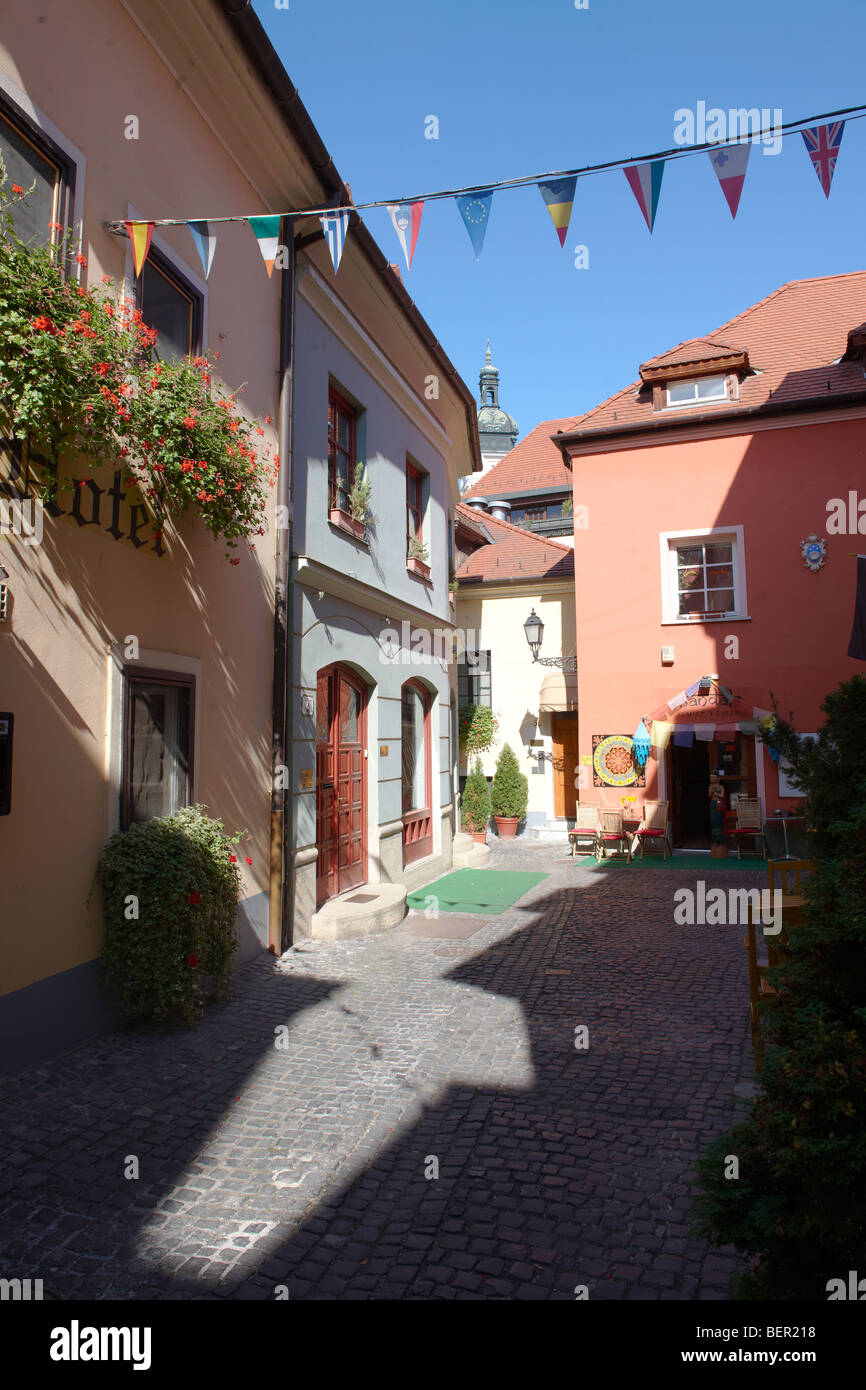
716,506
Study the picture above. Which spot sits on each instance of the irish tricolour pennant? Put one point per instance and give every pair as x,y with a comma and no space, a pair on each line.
558,195
205,244
139,234
267,234
822,142
475,211
406,217
730,166
645,182
335,225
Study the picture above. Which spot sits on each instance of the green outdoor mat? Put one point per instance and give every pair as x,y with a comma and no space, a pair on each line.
676,861
475,890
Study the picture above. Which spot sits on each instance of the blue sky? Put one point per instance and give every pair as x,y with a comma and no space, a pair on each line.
522,88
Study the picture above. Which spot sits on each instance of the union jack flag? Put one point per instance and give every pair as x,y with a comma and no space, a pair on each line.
822,142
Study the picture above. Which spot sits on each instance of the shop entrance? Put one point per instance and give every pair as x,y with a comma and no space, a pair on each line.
690,809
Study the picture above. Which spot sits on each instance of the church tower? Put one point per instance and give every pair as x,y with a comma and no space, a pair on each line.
497,430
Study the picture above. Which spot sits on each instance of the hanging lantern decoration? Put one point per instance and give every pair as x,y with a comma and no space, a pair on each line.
641,742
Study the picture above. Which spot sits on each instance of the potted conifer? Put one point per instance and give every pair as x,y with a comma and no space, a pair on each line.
509,795
475,804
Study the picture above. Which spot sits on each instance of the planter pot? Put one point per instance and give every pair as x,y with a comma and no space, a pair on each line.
347,522
506,826
419,567
479,836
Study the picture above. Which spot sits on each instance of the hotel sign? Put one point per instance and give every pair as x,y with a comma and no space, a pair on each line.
25,473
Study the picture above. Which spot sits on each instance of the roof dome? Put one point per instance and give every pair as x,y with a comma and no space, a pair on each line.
493,420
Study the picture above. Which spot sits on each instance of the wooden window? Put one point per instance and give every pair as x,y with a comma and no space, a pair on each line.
414,503
157,733
342,437
705,578
473,680
169,304
31,158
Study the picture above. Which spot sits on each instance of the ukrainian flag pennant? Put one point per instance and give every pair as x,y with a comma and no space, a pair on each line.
267,234
645,182
558,195
139,234
475,211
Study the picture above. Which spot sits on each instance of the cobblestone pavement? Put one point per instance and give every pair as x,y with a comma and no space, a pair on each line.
288,1145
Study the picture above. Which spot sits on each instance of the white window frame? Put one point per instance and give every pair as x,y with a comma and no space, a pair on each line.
693,381
669,541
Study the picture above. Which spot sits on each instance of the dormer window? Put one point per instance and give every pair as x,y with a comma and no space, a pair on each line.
707,388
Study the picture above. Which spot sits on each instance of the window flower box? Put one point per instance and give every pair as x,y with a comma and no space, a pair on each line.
419,567
347,522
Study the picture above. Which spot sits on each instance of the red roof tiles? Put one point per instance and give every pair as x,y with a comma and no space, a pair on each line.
514,554
533,463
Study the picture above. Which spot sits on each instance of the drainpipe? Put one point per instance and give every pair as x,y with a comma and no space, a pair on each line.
281,879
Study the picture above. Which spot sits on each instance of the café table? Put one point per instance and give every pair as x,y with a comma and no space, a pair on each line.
783,820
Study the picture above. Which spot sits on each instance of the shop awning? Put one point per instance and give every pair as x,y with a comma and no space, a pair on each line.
558,691
710,705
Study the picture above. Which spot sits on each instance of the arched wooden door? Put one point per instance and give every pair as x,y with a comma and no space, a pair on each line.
341,782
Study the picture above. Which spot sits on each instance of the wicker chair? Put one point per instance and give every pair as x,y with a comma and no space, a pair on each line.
749,824
585,829
654,827
611,832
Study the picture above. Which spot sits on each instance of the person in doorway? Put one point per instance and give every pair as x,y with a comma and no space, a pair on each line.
717,808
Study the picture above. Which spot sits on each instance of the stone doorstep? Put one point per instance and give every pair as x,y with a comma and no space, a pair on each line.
372,908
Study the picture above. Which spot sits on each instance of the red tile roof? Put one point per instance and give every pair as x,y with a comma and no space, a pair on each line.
794,339
533,463
514,553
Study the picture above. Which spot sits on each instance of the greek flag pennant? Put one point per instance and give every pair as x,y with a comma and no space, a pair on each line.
335,225
558,195
205,243
139,234
406,217
475,211
822,142
730,164
267,233
645,182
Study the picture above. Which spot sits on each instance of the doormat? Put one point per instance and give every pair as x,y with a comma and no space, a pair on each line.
474,890
676,861
453,927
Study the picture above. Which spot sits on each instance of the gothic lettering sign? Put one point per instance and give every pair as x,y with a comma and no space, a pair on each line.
24,473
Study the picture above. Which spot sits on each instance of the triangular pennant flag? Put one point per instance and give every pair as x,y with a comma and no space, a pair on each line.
730,166
406,217
267,234
645,182
335,225
822,142
558,195
641,744
139,234
475,211
205,243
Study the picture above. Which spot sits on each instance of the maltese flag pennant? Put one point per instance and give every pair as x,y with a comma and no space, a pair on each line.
822,142
335,226
406,217
645,182
730,164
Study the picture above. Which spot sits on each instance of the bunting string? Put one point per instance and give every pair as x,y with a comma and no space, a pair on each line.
729,159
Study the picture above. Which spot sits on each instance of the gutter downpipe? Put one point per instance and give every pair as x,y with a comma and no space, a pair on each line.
281,875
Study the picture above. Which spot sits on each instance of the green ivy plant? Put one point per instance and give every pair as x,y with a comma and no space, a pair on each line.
77,379
477,729
170,892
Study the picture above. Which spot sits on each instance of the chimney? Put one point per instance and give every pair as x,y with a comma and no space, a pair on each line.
478,504
500,510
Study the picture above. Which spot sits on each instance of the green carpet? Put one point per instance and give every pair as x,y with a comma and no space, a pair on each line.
676,861
475,890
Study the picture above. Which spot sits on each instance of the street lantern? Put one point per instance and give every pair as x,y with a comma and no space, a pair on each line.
534,629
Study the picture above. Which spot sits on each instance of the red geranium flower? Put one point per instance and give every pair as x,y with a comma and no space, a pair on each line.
192,962
195,899
16,188
82,260
189,422
248,860
233,859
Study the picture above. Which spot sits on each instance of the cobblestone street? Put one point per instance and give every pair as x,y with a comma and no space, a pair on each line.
290,1139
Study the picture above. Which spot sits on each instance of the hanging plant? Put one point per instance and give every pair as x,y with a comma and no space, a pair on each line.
477,728
77,379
